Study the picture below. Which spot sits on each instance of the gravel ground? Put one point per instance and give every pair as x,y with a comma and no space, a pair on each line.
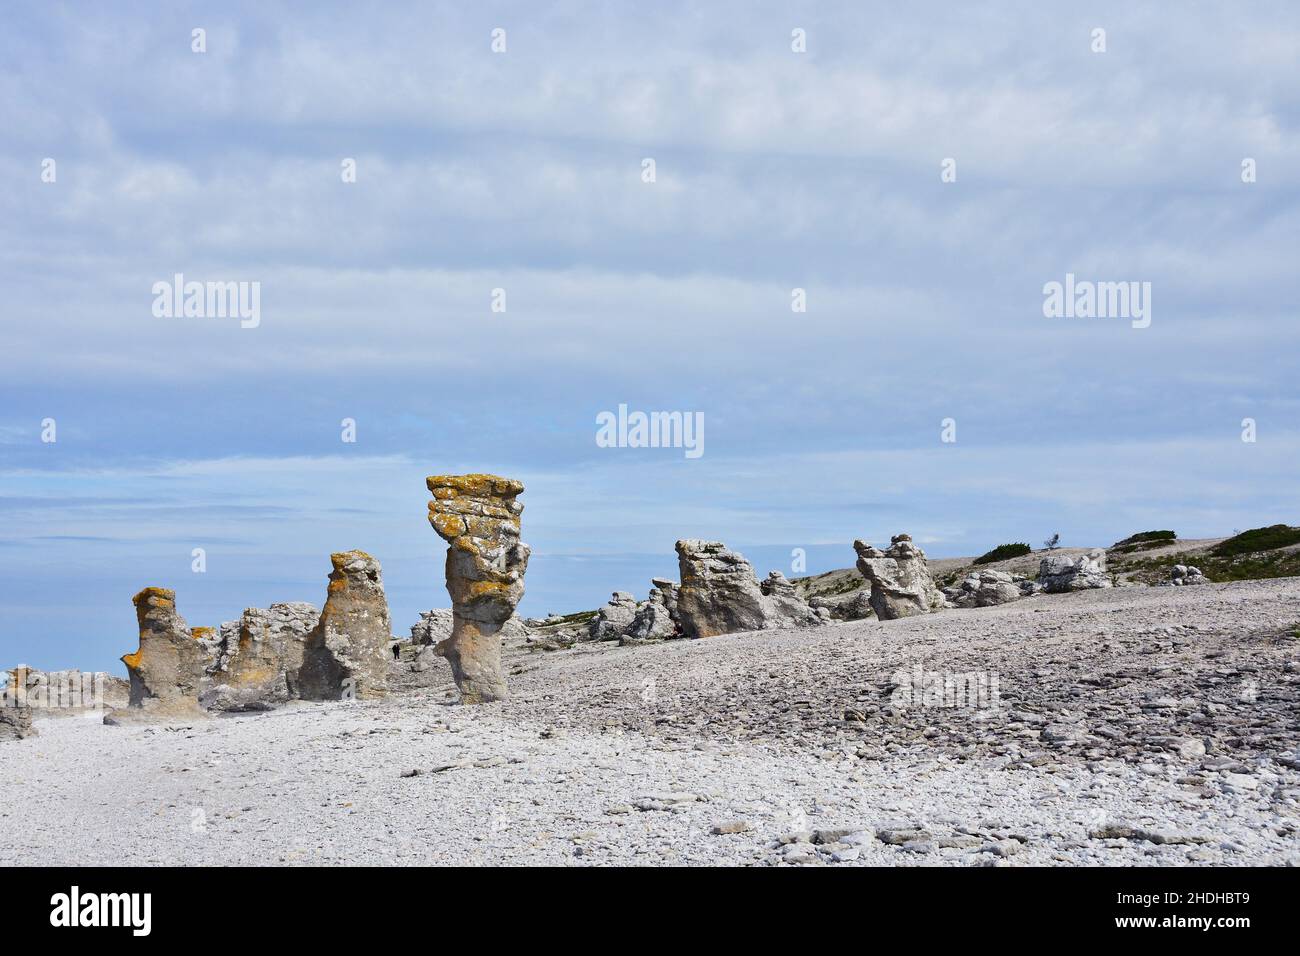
1137,726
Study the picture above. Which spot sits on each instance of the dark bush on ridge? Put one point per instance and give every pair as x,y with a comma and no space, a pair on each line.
1142,537
1258,539
1004,551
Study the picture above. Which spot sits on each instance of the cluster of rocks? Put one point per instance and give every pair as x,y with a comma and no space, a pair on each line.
901,585
1058,573
989,588
288,651
719,594
1183,574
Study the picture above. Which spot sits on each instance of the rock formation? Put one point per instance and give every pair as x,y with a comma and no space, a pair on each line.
346,655
901,585
989,588
720,595
16,722
1183,574
478,517
614,620
67,691
256,662
1058,573
656,617
166,669
854,607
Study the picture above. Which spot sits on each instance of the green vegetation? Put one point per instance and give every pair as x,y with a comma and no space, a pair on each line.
1144,541
1003,551
1258,539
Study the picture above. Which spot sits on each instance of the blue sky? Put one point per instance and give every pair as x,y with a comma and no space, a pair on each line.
522,170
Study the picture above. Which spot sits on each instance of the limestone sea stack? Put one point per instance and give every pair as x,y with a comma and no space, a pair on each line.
478,517
256,663
166,668
720,595
901,585
346,655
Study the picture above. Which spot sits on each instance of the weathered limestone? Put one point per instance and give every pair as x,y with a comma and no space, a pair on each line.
901,585
1059,573
656,617
166,669
989,588
786,607
1182,575
346,655
16,723
614,619
258,658
720,595
854,607
478,516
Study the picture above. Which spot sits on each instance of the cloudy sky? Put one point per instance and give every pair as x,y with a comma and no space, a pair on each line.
522,170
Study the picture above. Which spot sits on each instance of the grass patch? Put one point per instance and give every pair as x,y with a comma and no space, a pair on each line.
1017,549
1258,539
1144,541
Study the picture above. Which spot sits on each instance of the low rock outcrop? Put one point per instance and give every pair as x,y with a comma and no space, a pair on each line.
346,654
16,723
166,669
614,620
656,617
901,585
1182,575
720,595
63,692
989,588
854,607
479,518
1058,573
257,660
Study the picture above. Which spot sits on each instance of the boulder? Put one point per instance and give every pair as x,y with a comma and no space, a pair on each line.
853,607
167,667
479,518
614,620
346,654
16,722
656,617
1058,573
720,595
256,662
1183,574
989,588
900,580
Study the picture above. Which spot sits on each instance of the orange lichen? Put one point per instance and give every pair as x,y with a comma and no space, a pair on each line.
132,661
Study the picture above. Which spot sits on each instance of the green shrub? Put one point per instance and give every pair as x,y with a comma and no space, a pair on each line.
1258,539
1004,551
1142,537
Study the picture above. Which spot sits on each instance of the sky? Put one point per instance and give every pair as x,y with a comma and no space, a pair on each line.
828,170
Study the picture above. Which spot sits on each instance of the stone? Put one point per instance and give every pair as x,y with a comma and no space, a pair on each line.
735,826
1182,575
16,722
167,667
988,589
479,517
853,607
900,580
720,595
65,691
257,661
656,617
614,619
433,627
1058,573
345,656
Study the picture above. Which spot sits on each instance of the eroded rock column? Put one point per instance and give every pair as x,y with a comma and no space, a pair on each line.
166,668
346,655
901,585
478,517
